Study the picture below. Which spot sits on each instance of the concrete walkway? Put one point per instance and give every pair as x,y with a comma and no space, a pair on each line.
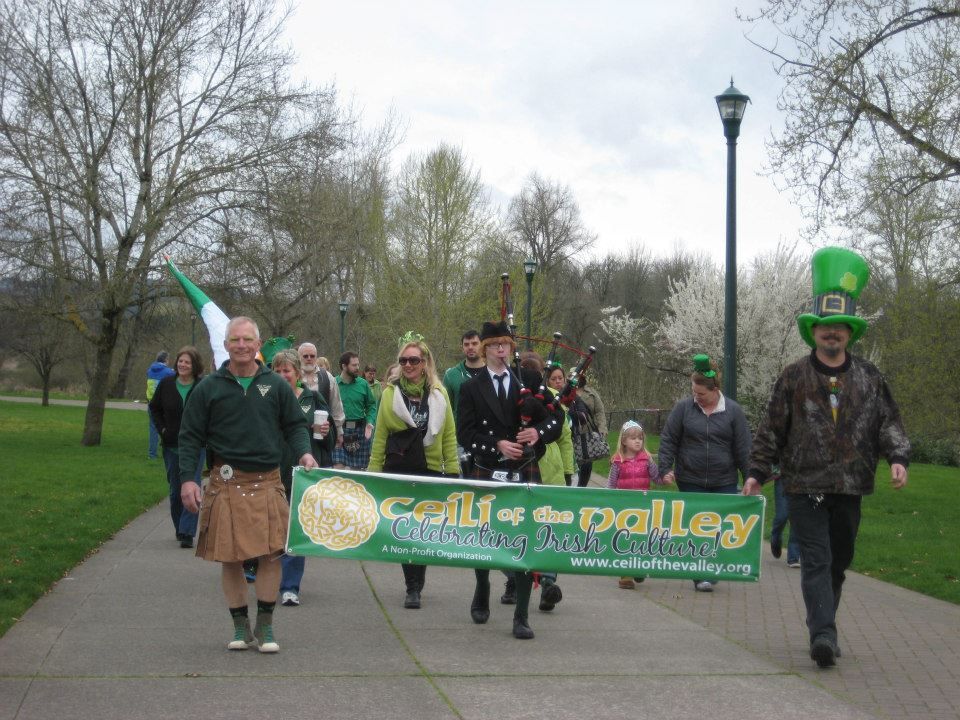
139,631
111,404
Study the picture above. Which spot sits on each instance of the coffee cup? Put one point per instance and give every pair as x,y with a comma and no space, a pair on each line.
319,418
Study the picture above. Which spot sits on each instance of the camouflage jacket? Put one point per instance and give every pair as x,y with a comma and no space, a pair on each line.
816,454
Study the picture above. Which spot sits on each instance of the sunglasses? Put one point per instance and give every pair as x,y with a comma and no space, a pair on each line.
410,361
305,356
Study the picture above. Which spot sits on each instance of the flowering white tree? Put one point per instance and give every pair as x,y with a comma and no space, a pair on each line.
771,292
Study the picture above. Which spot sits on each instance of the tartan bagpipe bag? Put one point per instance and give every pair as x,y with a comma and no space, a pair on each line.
589,444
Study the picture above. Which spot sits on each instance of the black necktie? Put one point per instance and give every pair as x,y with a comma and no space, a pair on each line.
501,390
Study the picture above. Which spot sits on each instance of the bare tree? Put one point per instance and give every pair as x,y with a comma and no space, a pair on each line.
123,125
863,79
544,221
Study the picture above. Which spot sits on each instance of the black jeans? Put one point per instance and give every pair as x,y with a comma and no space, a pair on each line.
826,530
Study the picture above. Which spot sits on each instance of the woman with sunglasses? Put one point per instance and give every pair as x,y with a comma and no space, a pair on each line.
415,402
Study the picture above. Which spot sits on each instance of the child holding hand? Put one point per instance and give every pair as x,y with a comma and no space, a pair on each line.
632,468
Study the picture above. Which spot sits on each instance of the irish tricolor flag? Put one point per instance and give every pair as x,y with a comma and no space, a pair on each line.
213,317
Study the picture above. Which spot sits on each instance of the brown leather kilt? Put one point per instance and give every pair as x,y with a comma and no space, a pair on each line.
243,517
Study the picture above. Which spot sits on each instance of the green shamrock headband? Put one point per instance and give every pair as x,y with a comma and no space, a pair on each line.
701,364
409,337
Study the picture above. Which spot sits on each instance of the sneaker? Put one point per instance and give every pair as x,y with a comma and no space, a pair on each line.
627,584
550,595
242,637
289,598
794,563
412,600
703,586
823,652
186,541
250,571
264,637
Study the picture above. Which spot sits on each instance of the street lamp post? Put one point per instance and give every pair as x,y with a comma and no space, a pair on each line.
529,268
731,103
343,327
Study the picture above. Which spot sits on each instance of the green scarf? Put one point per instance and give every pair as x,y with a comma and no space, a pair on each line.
413,389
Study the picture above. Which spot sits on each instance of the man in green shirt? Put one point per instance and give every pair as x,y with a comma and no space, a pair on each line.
472,364
243,413
360,412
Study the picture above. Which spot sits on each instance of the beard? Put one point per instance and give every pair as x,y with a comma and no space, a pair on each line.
831,351
309,369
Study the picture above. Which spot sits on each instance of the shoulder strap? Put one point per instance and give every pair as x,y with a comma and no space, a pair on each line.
323,385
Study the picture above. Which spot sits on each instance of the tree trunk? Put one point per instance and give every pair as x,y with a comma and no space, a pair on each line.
106,345
45,379
119,389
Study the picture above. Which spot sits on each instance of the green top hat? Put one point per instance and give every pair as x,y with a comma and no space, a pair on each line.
274,345
839,277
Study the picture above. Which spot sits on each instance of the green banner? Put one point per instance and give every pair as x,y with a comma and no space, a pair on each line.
478,524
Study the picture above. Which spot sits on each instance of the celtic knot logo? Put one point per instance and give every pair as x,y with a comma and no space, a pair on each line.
338,513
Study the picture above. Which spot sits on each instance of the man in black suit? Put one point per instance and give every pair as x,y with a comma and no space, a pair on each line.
506,441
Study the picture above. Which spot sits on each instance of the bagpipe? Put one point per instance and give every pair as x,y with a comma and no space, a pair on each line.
537,404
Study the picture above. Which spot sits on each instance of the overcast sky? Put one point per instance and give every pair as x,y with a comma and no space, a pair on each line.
614,99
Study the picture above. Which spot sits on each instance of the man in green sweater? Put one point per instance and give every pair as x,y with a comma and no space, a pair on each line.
360,413
471,365
243,413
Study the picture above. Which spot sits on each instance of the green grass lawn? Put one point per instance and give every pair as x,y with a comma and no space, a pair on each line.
61,500
906,536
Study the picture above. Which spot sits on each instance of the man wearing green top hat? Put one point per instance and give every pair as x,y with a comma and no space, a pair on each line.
830,418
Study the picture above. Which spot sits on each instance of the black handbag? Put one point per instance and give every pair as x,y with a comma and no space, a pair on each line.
405,453
589,444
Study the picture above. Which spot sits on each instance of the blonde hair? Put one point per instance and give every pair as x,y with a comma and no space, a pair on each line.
287,357
323,362
429,366
630,429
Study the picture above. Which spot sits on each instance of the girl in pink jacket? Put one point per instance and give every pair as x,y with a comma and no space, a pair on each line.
632,468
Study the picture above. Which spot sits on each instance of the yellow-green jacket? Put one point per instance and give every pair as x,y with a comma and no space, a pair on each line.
558,460
441,453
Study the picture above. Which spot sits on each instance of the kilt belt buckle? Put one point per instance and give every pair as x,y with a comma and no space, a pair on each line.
226,472
506,476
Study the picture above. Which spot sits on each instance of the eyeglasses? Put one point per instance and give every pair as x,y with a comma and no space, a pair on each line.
306,356
410,361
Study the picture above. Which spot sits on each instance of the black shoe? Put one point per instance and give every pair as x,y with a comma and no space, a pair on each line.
412,601
776,548
186,541
823,652
522,631
480,606
639,580
550,595
509,596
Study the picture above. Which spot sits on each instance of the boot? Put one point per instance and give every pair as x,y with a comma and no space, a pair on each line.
509,596
480,606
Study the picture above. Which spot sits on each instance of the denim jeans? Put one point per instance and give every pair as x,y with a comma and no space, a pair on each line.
827,532
154,441
781,515
184,522
292,567
730,489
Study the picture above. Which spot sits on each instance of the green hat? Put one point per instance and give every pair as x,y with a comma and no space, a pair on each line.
274,345
839,277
